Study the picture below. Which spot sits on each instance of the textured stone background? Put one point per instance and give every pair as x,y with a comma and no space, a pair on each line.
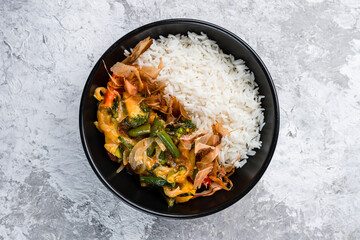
312,187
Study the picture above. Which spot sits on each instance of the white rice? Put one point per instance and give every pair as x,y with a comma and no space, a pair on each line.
212,86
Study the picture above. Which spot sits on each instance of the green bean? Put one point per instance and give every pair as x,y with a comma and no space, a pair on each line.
156,181
169,144
154,166
157,124
185,194
142,130
151,173
126,143
150,151
162,158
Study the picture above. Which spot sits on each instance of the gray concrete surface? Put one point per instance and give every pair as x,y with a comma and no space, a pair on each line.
312,187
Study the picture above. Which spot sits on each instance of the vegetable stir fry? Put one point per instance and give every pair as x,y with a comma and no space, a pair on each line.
154,137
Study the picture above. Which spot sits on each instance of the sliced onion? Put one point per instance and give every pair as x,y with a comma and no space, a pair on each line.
172,193
157,152
99,93
136,157
126,157
160,143
121,112
122,166
186,145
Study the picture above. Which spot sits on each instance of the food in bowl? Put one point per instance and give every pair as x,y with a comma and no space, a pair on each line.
181,114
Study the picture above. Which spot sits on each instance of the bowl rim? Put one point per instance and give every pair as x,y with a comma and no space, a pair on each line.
271,149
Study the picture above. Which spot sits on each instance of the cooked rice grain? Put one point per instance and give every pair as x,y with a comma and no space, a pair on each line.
212,86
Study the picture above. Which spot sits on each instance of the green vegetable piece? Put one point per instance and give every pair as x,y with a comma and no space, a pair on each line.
157,124
195,173
154,166
151,150
119,154
156,181
185,194
162,158
126,143
142,130
97,98
138,113
180,131
151,173
189,125
114,110
170,201
182,127
169,144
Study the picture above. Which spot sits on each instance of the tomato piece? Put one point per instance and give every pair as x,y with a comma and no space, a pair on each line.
206,182
109,97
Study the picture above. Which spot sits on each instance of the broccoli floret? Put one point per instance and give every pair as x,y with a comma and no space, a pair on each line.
180,131
183,127
189,125
114,110
138,113
162,158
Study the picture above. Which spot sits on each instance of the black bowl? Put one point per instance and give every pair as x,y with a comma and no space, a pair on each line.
127,186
